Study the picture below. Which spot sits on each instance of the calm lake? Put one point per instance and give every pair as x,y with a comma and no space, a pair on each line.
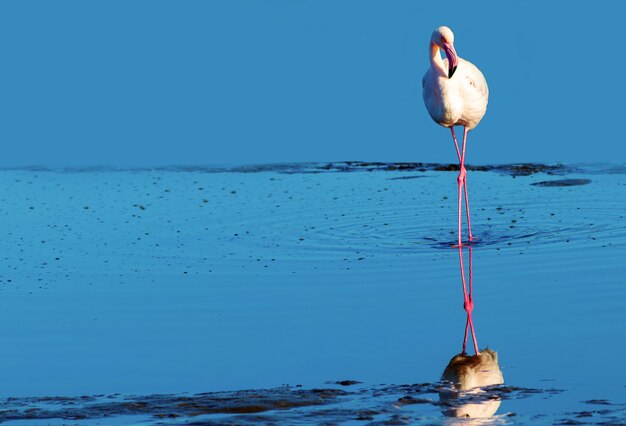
264,294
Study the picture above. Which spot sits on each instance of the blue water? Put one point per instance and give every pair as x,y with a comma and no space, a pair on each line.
169,281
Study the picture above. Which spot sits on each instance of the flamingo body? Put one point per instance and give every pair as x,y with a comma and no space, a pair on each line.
460,100
457,101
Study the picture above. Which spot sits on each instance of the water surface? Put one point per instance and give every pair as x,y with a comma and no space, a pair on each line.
160,284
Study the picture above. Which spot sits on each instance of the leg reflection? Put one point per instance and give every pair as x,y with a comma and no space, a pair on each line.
468,300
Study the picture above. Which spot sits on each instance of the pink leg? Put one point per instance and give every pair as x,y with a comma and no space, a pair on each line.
461,182
456,145
467,207
467,211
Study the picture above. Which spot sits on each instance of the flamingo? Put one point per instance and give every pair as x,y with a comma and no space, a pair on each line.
456,94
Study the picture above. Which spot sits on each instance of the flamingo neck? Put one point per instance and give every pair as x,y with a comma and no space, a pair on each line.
436,62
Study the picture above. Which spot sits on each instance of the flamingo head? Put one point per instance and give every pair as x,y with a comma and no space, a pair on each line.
444,38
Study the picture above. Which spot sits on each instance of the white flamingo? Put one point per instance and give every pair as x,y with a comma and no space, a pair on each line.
456,94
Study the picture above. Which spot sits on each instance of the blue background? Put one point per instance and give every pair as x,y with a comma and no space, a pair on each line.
150,83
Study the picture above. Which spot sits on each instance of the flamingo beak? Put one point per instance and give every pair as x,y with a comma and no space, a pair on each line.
453,60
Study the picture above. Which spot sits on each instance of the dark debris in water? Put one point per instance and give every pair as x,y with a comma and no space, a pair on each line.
598,402
521,169
527,169
406,177
163,406
347,382
604,412
562,182
285,404
406,400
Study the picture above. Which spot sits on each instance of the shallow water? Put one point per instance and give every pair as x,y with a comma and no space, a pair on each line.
160,284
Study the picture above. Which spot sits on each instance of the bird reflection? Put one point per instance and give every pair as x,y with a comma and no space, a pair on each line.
468,375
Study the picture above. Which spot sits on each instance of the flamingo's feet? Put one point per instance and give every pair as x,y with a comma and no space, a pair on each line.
471,239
